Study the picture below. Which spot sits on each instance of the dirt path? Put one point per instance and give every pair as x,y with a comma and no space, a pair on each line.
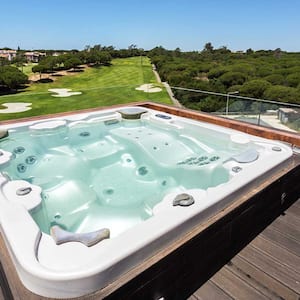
171,95
169,90
156,73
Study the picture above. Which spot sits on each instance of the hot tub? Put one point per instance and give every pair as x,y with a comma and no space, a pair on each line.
87,197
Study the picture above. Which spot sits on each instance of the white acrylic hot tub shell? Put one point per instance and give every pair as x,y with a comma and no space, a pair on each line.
72,269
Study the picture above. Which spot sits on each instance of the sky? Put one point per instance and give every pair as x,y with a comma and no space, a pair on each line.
186,24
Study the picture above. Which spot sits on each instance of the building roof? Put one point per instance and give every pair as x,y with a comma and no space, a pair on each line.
3,51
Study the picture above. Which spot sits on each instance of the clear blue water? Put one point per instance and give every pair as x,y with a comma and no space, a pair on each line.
111,174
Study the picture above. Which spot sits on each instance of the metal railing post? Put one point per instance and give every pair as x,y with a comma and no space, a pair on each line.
227,101
259,113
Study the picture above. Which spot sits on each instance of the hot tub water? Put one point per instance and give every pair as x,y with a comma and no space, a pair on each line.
109,174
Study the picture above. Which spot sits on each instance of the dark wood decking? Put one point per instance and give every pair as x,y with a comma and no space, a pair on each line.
268,268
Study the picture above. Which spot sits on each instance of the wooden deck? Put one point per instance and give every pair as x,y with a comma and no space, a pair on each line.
268,268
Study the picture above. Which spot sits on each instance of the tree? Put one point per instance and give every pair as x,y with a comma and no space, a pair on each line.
177,52
49,63
19,60
158,51
293,79
134,51
40,68
87,48
97,47
237,106
108,48
4,62
282,94
277,53
249,51
72,62
275,79
222,50
208,47
12,77
105,58
98,57
132,46
211,104
244,68
232,78
216,72
255,88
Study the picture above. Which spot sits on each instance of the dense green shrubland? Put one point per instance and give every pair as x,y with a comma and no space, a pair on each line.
273,75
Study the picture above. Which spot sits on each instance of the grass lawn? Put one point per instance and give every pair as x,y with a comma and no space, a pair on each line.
101,86
27,69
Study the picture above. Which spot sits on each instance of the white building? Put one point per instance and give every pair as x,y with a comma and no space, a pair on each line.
34,56
8,54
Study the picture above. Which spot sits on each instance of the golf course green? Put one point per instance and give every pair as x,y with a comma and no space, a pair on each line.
99,86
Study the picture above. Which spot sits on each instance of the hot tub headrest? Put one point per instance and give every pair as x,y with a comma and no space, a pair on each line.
89,239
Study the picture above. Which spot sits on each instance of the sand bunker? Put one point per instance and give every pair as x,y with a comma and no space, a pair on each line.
63,92
148,88
15,107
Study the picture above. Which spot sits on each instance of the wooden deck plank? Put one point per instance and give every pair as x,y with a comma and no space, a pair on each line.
286,228
13,289
4,291
275,269
1,294
272,285
251,281
297,204
282,239
277,253
295,212
211,292
235,286
291,219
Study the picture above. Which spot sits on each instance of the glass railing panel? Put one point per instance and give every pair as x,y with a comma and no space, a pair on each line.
274,114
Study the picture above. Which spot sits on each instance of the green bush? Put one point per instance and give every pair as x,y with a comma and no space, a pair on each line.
255,88
216,72
293,80
12,77
282,94
232,78
275,79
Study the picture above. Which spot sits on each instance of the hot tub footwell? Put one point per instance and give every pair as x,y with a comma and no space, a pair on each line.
176,271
